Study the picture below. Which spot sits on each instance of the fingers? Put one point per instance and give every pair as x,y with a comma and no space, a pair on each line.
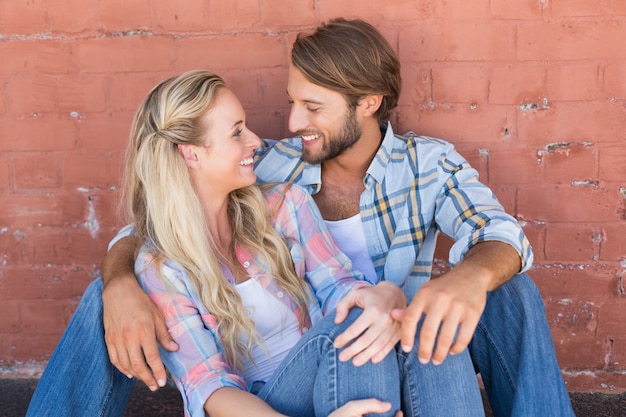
358,408
344,306
410,317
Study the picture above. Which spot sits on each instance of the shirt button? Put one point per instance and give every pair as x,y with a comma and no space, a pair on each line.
280,294
246,264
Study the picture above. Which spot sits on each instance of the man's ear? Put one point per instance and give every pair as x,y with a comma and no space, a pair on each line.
190,155
371,104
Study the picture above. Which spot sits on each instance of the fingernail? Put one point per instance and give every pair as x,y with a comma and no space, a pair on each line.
406,348
436,362
153,388
161,382
423,361
129,376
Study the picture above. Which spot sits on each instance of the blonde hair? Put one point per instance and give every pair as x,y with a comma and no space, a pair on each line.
167,212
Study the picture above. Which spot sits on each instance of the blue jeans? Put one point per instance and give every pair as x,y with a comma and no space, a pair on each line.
512,348
311,381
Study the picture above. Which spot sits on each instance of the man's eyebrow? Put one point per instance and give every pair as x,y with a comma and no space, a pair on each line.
309,101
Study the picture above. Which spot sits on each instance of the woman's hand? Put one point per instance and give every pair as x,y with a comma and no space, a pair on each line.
358,408
375,332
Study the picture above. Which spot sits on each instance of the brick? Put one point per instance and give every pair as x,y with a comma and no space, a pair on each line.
32,94
260,52
50,247
477,158
573,242
573,82
153,53
618,7
401,9
520,10
47,317
476,10
299,13
81,94
23,17
517,84
34,57
10,318
43,283
488,124
127,91
460,83
19,209
105,132
7,182
457,41
122,15
229,15
40,132
514,166
580,352
37,170
611,318
592,121
19,348
574,164
180,15
564,203
612,162
567,283
615,80
614,245
87,170
107,55
73,16
74,206
578,8
562,41
417,85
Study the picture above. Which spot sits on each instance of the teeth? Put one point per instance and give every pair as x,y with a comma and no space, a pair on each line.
310,137
247,161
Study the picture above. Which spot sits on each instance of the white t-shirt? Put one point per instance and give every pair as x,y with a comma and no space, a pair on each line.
350,237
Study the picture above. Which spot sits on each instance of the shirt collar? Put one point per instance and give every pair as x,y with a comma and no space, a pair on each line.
378,167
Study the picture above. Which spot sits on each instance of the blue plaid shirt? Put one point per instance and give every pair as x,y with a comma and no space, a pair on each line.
415,187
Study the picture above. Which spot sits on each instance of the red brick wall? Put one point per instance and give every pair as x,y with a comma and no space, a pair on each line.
533,92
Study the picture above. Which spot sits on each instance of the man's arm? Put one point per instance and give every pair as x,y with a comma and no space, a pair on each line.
132,323
456,300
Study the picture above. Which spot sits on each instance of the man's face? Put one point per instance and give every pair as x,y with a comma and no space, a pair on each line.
327,123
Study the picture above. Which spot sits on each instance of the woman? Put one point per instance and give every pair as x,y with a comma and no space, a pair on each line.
242,275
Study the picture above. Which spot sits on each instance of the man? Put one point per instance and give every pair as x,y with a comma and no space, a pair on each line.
385,198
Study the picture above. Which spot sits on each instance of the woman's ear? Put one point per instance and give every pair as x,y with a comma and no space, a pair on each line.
190,155
371,104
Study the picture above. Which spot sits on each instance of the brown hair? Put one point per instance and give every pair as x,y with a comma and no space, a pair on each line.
352,58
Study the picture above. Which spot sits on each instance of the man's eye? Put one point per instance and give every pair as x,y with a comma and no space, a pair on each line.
312,109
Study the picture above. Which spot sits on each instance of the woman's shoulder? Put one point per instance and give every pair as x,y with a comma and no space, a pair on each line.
277,193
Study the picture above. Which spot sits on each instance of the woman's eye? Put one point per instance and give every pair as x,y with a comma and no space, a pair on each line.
238,132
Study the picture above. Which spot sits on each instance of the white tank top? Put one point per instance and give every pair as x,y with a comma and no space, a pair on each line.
276,325
348,234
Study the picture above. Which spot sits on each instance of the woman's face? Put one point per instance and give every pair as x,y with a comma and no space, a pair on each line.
227,159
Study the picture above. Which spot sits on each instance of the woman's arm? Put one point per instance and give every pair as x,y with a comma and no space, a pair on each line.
232,402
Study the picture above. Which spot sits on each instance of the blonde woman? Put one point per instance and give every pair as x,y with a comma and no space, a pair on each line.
244,275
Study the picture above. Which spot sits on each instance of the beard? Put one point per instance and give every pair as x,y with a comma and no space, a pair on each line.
348,134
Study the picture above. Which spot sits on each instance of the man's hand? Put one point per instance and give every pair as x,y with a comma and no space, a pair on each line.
132,323
132,327
375,332
455,301
359,408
